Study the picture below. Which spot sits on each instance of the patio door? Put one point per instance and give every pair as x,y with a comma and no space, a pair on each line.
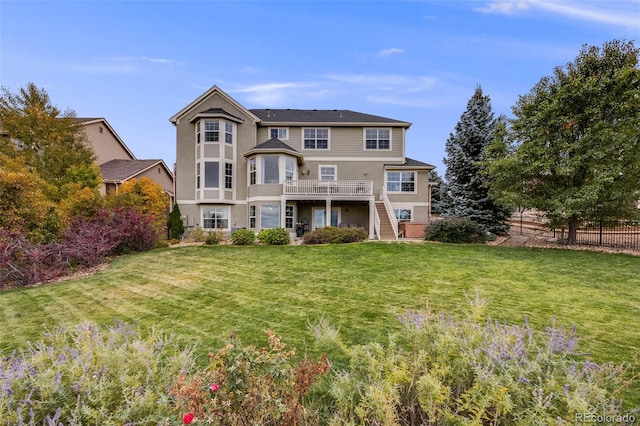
319,217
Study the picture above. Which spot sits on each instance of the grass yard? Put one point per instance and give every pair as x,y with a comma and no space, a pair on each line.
203,293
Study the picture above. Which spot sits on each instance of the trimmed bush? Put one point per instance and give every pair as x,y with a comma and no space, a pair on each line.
89,375
243,237
274,236
455,230
214,237
333,235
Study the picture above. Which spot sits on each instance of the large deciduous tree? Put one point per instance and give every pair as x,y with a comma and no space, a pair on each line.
46,139
573,148
466,193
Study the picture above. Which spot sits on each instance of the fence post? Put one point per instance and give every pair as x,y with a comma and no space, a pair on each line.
600,235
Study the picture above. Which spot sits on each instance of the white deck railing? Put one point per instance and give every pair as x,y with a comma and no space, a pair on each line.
325,188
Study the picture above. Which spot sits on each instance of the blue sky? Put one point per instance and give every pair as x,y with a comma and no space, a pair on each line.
138,63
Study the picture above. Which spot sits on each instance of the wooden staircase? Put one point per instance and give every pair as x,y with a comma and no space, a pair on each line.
386,230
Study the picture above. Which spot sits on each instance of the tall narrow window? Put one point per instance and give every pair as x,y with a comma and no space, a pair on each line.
252,171
252,217
228,132
211,131
211,174
288,217
270,169
198,133
289,168
228,175
197,175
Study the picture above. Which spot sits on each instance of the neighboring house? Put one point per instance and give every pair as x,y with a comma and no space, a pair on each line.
116,161
295,169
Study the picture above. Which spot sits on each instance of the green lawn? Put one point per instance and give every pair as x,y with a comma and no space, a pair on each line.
203,293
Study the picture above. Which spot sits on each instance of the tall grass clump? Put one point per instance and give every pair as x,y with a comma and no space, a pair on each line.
89,375
442,370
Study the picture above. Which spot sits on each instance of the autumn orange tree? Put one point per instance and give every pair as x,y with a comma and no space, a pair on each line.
146,197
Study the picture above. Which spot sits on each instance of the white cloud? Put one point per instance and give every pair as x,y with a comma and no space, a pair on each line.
386,82
270,94
623,13
385,53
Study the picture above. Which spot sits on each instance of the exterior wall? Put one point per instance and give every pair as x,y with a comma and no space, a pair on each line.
159,175
346,152
105,144
343,142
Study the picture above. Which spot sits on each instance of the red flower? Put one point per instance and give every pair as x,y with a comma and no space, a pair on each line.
188,418
214,387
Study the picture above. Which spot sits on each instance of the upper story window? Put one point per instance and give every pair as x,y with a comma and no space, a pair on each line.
289,168
211,131
401,181
228,132
281,133
228,176
327,172
252,171
316,139
377,139
270,169
211,174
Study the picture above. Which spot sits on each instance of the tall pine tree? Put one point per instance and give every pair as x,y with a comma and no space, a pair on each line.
467,194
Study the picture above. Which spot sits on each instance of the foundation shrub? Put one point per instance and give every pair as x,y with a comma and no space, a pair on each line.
243,237
274,236
214,237
92,375
244,385
455,230
333,235
443,370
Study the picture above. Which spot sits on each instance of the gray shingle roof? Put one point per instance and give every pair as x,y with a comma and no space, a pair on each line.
119,170
274,143
411,163
320,116
218,111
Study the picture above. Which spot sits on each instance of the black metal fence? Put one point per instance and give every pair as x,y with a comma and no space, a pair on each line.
610,233
606,233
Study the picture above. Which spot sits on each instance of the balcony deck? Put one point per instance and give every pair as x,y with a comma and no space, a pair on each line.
322,189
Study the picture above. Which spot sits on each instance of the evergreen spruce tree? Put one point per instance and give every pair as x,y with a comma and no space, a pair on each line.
467,194
175,227
436,192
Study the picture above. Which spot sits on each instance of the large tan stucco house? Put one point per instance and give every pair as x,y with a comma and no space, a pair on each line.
295,169
116,161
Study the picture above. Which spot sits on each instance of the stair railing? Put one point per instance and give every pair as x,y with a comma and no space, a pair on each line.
389,208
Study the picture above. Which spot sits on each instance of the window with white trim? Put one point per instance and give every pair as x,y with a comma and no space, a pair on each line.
228,175
252,217
281,133
211,131
228,132
377,139
252,171
215,218
289,168
198,133
401,181
327,172
316,139
288,217
269,216
197,175
270,169
211,174
402,214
